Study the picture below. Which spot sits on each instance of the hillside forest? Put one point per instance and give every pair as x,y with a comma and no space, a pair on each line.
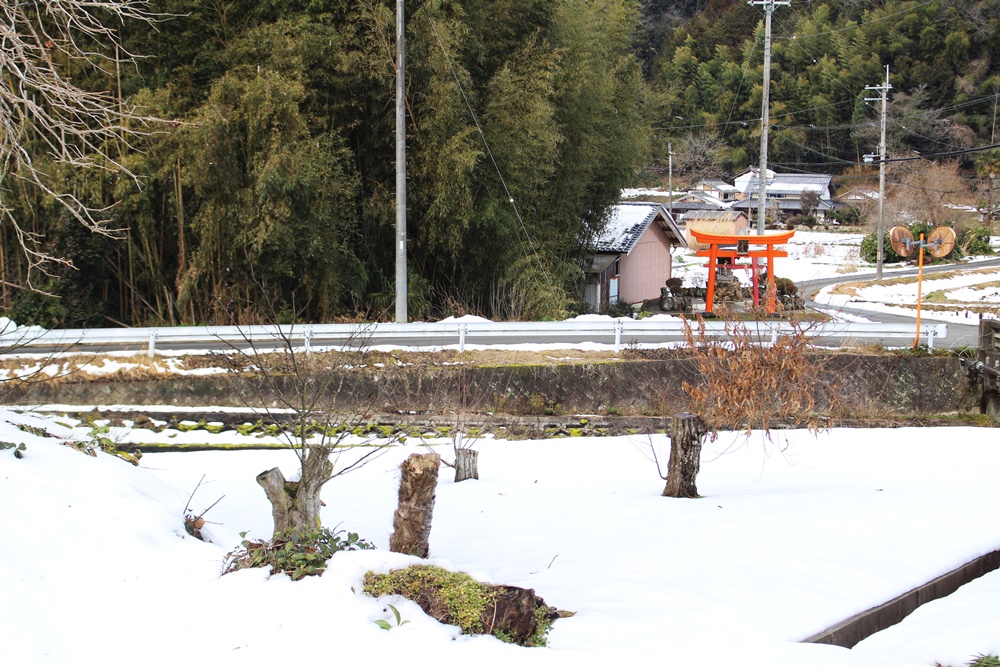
261,186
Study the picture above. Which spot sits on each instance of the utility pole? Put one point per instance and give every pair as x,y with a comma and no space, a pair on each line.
769,7
670,178
884,97
400,166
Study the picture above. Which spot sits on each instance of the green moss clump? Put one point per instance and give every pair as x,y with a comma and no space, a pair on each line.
464,597
186,426
215,427
246,428
458,599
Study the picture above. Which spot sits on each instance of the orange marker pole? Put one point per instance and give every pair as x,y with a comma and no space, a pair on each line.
920,287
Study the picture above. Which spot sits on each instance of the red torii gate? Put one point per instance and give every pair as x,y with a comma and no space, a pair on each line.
734,246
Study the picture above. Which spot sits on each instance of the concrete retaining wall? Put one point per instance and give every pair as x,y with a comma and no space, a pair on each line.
876,386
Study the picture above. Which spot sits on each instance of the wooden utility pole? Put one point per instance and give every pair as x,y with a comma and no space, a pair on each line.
769,7
400,166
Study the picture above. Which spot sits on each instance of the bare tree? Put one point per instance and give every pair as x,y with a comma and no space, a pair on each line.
310,400
745,383
46,116
468,419
700,156
928,190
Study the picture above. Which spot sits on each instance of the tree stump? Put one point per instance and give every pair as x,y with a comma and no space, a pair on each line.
466,464
296,505
686,433
411,525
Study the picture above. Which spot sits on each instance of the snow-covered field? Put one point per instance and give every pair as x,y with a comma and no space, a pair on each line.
789,538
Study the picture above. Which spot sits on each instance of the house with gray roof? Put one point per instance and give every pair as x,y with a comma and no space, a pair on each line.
631,260
717,188
784,191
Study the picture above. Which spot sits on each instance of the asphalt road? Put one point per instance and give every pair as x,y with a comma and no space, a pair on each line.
958,334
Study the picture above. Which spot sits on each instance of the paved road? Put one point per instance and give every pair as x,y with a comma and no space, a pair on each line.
958,334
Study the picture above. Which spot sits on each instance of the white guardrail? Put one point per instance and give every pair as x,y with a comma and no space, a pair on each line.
432,334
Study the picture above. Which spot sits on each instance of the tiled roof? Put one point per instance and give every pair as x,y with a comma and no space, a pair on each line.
625,226
791,183
696,206
783,204
627,223
718,184
712,215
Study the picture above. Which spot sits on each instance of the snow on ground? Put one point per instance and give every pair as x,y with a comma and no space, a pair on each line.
811,255
959,293
818,255
788,539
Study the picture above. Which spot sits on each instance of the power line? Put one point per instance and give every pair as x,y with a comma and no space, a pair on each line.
964,151
752,120
489,152
875,20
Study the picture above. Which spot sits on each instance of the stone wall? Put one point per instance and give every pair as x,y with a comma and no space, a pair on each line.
868,385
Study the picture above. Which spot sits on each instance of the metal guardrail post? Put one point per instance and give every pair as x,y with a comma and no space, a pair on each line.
930,335
618,335
152,343
307,340
463,329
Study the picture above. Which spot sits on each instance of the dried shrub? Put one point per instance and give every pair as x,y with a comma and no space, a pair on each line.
747,382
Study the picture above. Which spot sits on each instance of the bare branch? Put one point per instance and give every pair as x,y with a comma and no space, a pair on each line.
46,117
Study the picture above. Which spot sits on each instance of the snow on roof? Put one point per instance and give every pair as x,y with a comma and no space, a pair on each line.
705,198
625,225
631,193
718,184
787,183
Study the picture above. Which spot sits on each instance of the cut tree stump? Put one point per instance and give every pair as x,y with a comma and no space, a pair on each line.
411,525
687,431
296,505
466,464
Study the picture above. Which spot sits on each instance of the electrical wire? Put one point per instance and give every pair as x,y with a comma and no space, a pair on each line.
964,151
736,97
489,152
869,22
